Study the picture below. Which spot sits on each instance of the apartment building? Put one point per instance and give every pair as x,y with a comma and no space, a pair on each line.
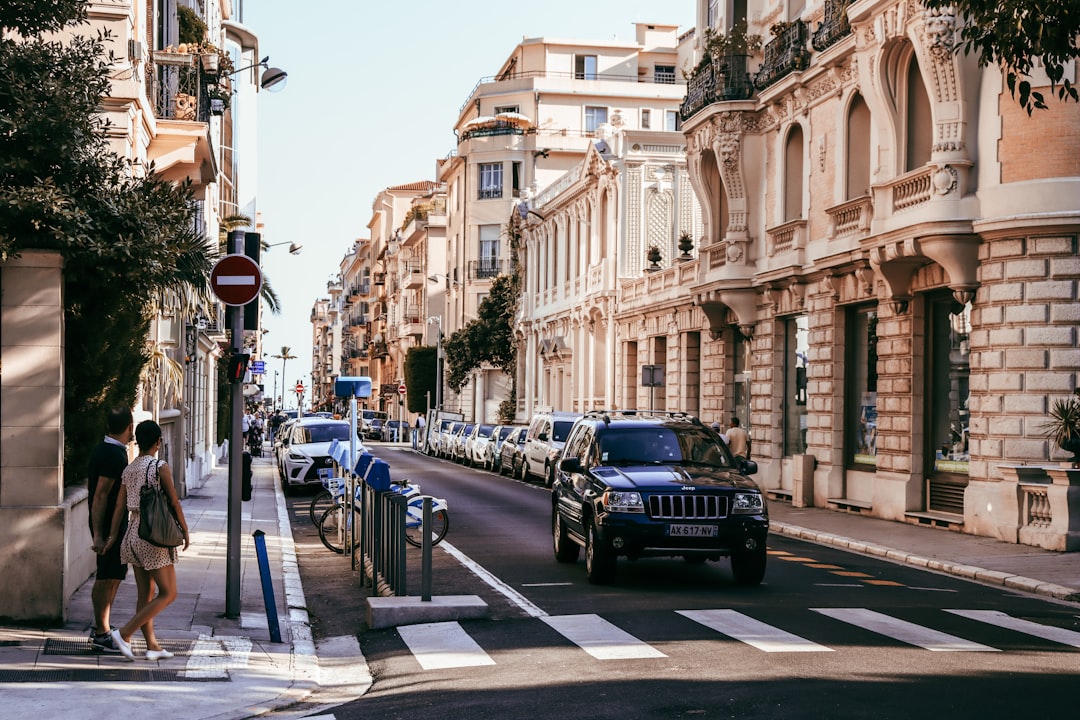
523,129
885,289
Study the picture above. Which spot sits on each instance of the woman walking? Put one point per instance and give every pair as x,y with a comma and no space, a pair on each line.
153,565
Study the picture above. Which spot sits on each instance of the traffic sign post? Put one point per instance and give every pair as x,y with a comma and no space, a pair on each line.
236,279
401,389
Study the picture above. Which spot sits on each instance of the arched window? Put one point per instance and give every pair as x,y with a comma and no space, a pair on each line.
858,148
920,121
793,175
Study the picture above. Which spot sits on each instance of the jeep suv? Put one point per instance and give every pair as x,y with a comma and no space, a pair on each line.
641,484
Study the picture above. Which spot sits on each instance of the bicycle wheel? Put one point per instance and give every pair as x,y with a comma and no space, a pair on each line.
331,531
414,531
323,501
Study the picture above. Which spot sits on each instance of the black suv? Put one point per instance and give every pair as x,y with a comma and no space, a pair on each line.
643,484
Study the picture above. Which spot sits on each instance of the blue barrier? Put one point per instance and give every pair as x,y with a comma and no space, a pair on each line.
267,586
378,476
363,463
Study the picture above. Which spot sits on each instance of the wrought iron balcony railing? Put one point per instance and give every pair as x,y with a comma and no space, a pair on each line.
720,81
180,89
834,26
784,54
487,268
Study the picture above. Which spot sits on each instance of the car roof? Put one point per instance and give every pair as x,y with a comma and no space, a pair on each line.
316,420
641,418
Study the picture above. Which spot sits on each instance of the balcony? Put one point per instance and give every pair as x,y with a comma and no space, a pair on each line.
833,27
851,218
413,275
487,268
722,81
784,54
791,236
178,91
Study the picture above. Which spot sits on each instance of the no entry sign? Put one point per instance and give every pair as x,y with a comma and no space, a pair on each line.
236,279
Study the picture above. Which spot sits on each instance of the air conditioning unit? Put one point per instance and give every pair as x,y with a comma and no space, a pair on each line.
136,51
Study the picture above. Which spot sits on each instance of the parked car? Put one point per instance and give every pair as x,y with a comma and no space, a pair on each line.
511,453
476,444
306,449
435,432
498,436
395,430
543,443
457,443
655,485
446,439
374,429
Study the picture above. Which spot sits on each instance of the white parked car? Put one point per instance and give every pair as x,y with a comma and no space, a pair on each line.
305,449
476,444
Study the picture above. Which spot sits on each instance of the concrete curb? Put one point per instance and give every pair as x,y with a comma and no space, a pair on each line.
902,557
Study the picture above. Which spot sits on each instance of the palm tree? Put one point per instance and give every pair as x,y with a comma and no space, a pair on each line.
285,355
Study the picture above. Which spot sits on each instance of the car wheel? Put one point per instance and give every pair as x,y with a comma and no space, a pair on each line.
566,550
748,566
549,475
599,560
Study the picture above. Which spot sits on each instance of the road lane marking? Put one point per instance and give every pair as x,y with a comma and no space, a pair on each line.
437,646
498,585
548,584
600,638
1000,619
903,631
752,632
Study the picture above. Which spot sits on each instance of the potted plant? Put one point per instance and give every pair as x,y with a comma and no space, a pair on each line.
1063,425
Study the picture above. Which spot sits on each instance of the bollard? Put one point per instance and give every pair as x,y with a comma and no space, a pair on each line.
425,558
267,586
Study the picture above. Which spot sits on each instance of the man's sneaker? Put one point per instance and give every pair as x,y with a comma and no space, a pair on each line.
103,643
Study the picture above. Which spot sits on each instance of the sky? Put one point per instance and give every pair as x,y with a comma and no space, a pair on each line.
372,96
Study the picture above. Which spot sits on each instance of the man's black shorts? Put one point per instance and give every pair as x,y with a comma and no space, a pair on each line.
109,566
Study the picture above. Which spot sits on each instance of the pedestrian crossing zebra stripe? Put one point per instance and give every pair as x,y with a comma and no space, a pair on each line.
600,638
442,645
752,632
903,631
1000,619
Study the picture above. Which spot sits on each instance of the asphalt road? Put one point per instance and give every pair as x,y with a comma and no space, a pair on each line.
829,634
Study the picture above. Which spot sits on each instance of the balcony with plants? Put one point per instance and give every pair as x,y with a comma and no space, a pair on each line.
833,27
784,54
723,74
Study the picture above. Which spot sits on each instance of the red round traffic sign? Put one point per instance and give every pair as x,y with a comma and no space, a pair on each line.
401,389
299,387
236,279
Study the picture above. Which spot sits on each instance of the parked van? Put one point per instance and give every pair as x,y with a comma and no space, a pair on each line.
544,443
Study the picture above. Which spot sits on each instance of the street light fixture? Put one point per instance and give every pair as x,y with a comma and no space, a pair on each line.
273,79
294,248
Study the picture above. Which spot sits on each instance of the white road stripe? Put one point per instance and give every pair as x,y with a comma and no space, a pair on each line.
600,638
903,631
498,585
443,645
1000,619
752,632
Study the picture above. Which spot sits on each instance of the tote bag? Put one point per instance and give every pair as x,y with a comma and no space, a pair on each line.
157,523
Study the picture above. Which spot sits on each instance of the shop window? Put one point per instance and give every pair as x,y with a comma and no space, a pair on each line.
861,386
950,328
796,347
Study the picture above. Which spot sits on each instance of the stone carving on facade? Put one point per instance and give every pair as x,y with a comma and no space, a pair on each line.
945,179
940,28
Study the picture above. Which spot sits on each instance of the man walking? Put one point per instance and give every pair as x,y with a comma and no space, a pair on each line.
418,432
738,439
107,463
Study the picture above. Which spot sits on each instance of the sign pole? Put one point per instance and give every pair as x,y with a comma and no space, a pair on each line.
236,458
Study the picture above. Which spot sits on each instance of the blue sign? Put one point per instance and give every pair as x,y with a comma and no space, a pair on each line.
258,367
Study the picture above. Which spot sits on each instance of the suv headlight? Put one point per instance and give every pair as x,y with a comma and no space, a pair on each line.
748,504
623,502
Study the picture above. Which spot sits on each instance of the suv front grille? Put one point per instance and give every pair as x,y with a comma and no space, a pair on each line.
688,507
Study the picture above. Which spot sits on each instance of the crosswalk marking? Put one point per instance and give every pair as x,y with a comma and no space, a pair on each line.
600,638
1000,619
752,632
903,631
443,645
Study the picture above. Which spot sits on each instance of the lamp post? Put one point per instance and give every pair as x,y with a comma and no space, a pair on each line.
273,398
294,248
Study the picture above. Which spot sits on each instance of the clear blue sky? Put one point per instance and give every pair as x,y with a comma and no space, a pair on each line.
371,101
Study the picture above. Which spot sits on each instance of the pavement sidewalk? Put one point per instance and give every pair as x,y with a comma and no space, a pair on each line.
227,669
223,668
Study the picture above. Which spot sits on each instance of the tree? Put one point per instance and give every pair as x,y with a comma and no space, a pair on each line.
489,338
420,369
1017,34
128,243
285,355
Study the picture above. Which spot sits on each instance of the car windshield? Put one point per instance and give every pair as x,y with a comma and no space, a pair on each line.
561,429
658,445
324,433
503,432
485,430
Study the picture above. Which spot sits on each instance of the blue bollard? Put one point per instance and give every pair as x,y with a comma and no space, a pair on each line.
267,586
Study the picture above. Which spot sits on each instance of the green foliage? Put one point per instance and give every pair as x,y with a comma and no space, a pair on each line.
128,244
420,371
191,26
26,17
1014,34
488,339
1064,421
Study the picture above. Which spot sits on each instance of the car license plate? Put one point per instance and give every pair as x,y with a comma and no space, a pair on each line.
691,531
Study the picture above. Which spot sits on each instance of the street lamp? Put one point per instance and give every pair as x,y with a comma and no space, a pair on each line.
437,320
294,248
273,79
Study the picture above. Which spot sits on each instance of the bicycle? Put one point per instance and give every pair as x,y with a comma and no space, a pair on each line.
330,523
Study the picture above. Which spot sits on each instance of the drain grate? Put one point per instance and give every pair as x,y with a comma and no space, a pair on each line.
101,675
81,646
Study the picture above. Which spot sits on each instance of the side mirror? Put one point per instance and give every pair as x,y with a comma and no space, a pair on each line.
571,465
542,437
749,467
